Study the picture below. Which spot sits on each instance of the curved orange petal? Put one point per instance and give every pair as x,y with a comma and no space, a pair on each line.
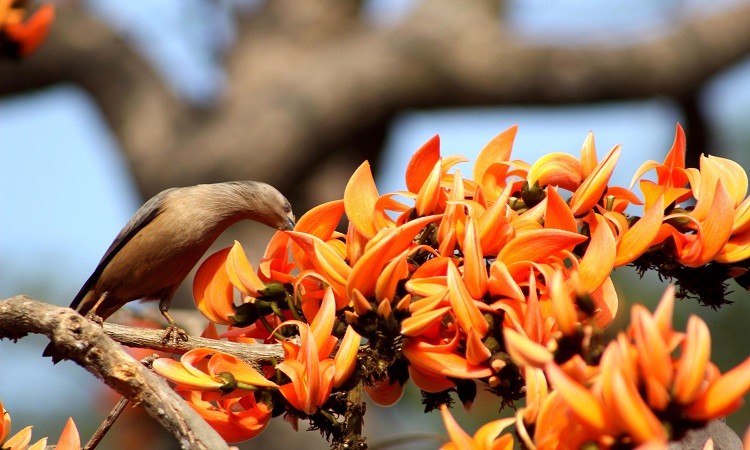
488,435
475,269
588,155
723,395
213,293
498,150
524,351
591,189
429,193
394,271
442,362
346,357
360,196
466,311
582,403
322,220
636,417
183,376
421,163
241,273
691,371
599,260
556,169
557,213
535,245
242,371
458,436
638,238
385,392
476,351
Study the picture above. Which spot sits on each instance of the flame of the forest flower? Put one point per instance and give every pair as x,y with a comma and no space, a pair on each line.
193,372
69,438
490,167
672,175
26,34
486,438
593,186
235,419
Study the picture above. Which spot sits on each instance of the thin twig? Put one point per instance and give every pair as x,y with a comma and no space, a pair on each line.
107,424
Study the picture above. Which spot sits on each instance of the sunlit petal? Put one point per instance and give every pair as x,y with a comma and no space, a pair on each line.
360,196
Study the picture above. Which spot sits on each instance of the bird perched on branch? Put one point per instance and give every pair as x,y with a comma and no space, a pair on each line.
165,238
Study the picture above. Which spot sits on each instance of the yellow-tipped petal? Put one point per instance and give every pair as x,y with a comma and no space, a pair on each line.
556,169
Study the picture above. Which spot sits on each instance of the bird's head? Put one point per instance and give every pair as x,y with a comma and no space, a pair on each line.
263,203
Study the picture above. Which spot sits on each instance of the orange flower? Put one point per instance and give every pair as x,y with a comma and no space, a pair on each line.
486,438
638,379
21,38
235,419
672,175
221,372
69,439
311,378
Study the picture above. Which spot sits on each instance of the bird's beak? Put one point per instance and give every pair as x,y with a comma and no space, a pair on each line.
290,223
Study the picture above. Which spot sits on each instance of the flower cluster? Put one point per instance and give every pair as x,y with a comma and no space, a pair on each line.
20,36
69,439
495,278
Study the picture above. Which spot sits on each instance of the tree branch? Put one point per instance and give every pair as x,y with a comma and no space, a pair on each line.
152,338
86,343
293,99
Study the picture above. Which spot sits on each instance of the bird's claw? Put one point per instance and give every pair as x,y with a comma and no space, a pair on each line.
173,335
92,316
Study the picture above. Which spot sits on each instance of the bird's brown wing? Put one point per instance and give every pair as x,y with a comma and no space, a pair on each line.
145,214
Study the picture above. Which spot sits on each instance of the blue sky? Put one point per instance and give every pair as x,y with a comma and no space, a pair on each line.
57,157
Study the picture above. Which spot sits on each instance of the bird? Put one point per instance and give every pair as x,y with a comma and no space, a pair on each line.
165,238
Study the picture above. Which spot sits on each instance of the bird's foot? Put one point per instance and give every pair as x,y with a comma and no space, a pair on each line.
92,316
173,335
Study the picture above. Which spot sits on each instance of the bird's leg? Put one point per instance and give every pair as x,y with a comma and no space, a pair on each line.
173,332
92,315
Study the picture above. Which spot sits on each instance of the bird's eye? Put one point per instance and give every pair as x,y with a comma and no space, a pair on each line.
288,208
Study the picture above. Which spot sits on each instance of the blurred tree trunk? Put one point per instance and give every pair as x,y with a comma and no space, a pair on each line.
312,87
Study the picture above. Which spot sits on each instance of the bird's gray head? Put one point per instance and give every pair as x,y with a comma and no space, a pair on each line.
260,202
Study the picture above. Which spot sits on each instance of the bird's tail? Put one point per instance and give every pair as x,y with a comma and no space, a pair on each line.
51,351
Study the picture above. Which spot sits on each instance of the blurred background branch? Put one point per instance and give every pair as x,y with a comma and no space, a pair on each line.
306,82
